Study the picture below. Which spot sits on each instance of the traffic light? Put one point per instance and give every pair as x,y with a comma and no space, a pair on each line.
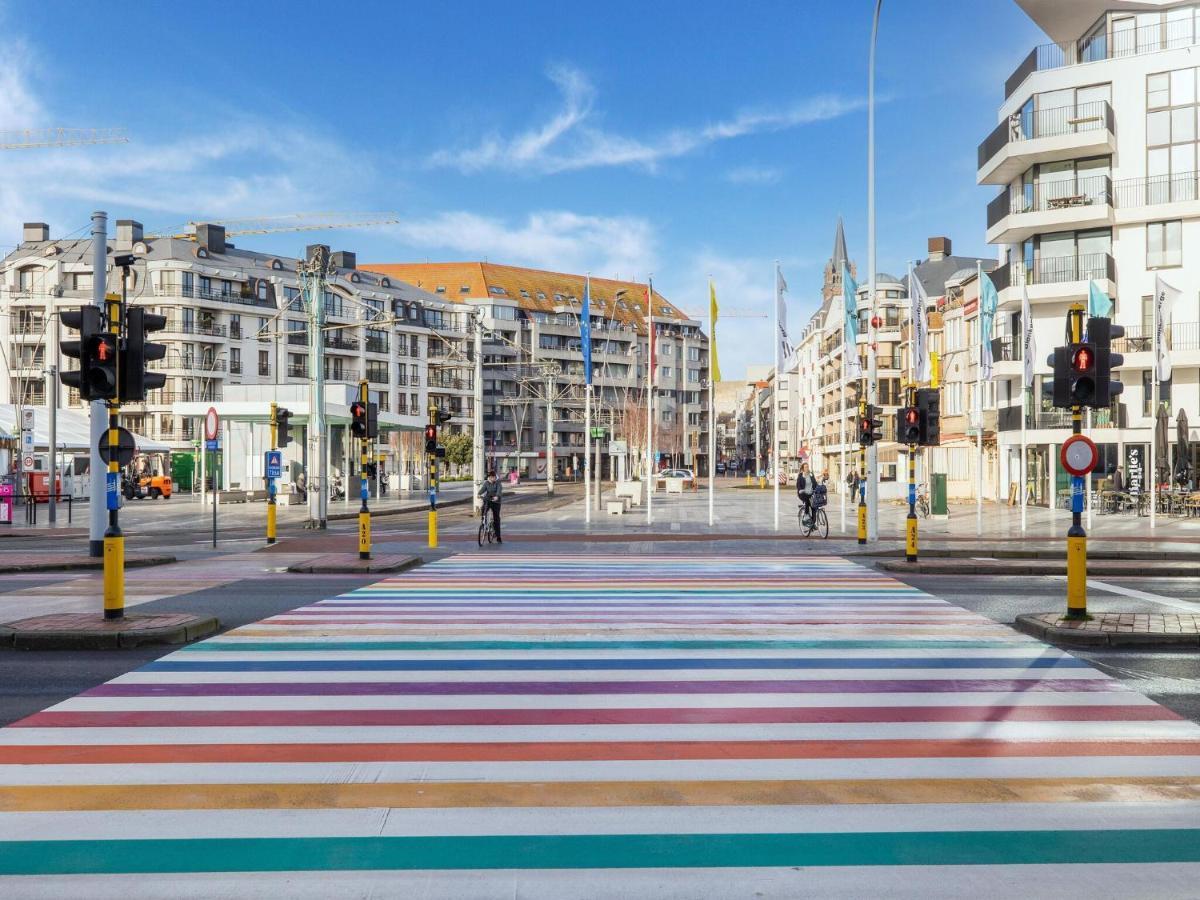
372,420
135,380
869,426
431,438
1101,332
96,350
908,425
1082,356
89,322
929,404
283,427
358,419
1058,389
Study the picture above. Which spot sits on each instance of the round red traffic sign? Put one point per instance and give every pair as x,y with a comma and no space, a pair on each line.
1079,455
210,424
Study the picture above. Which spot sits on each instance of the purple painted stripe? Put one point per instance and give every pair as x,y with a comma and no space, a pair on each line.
385,688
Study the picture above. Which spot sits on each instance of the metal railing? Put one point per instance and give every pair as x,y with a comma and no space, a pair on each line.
1009,418
235,368
1067,193
336,341
1134,192
1060,120
295,371
1106,44
196,293
188,362
178,326
376,345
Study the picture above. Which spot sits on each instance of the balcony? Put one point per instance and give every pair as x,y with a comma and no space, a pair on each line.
1104,45
377,345
1060,205
1181,336
295,371
1065,132
188,363
1115,416
337,341
1057,277
202,329
1158,190
196,293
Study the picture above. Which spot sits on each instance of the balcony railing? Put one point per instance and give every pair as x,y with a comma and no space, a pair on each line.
188,362
375,345
235,367
1051,195
178,326
298,338
1106,44
295,371
196,293
1060,120
1006,349
213,393
1133,192
335,341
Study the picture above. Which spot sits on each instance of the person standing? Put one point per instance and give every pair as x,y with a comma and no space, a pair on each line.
492,491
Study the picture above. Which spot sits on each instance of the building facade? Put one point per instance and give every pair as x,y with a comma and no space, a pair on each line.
1095,161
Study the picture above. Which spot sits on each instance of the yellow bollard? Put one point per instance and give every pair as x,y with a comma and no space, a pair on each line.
364,535
114,577
433,529
910,543
1077,577
271,521
862,523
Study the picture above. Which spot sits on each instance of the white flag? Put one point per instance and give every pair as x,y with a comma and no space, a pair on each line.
784,345
920,329
1028,348
1164,303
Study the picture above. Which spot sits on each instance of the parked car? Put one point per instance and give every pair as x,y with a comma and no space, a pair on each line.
688,476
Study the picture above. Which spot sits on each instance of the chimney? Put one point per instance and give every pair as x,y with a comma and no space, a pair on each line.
35,231
129,233
211,237
939,248
344,259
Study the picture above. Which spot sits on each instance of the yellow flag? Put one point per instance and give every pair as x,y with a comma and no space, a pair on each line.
714,366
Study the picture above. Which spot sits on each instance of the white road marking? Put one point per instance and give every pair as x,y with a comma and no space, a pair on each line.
1187,606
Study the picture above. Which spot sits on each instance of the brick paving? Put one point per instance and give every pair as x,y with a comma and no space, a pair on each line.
1147,623
99,624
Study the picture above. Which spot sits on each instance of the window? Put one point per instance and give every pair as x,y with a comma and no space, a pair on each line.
1164,244
235,360
1164,393
1171,136
264,363
81,281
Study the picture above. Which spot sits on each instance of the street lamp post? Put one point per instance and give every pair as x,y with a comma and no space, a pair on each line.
872,366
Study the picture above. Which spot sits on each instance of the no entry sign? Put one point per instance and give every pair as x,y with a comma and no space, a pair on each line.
1079,455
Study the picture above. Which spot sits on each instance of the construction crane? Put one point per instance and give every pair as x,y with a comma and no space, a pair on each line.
317,221
39,138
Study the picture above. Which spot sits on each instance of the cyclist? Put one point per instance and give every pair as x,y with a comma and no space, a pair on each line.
491,491
806,486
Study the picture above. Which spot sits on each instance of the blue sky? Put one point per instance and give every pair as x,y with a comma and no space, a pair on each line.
678,138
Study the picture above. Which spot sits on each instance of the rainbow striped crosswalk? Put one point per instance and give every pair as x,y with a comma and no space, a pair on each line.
607,726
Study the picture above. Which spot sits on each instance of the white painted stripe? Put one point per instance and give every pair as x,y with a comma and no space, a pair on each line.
610,701
475,734
606,675
614,770
433,656
1187,606
458,822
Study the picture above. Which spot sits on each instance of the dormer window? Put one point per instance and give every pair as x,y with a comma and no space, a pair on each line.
440,289
465,289
277,265
497,291
354,278
541,295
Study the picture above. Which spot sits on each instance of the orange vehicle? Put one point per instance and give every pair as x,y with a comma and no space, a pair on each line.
148,477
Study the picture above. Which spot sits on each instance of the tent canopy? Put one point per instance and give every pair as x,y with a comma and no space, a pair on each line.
73,429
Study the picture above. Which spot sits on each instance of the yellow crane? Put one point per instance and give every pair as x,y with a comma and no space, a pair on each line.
315,221
39,138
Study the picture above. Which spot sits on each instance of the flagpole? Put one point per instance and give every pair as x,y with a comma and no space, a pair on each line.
1158,290
712,411
775,416
979,406
1087,497
842,416
586,334
649,399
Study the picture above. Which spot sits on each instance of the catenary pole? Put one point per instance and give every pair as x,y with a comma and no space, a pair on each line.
712,417
873,372
97,518
477,460
979,407
775,461
649,400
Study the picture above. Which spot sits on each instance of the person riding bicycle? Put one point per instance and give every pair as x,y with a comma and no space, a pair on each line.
806,486
491,492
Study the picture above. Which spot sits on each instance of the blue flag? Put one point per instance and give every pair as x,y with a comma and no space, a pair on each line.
585,329
1099,303
850,341
989,299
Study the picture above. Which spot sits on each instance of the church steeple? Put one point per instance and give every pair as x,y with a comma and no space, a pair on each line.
833,268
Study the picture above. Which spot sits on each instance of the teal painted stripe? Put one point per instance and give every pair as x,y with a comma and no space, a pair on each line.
940,848
214,644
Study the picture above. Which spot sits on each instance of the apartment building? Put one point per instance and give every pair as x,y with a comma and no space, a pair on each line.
234,318
532,347
1095,159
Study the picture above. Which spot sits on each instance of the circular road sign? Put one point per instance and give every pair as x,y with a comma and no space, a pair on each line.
1079,455
27,462
210,424
126,446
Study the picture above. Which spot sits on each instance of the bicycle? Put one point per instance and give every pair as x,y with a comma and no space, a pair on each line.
818,523
922,503
487,527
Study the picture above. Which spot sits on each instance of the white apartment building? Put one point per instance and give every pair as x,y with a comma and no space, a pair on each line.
1095,158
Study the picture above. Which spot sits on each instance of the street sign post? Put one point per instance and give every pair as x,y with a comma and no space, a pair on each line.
126,447
212,425
274,464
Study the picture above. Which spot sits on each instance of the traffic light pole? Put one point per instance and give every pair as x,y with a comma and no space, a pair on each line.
96,506
364,513
114,540
1076,536
910,543
433,484
862,484
272,510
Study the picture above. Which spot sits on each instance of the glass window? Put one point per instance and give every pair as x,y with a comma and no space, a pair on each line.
1158,127
1183,87
1158,91
1164,244
1179,28
1183,124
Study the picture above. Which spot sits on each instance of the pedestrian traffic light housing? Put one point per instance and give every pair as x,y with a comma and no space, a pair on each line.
869,426
358,419
135,380
283,427
431,438
1101,332
929,404
908,425
1082,356
89,322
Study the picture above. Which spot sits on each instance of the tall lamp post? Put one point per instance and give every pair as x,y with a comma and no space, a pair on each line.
872,366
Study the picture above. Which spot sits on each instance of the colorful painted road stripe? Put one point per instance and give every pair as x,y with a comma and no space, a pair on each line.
561,717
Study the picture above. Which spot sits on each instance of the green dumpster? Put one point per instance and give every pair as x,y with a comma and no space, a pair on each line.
937,494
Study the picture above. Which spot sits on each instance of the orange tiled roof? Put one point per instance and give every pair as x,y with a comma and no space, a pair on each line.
539,287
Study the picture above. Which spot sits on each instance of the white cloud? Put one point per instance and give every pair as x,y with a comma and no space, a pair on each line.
754,175
569,142
604,245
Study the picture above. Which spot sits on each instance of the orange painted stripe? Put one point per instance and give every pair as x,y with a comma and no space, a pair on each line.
580,751
434,795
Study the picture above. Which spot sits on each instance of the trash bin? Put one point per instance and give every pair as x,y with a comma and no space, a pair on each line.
937,494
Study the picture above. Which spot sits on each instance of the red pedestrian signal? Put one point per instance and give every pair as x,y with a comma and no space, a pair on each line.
1083,359
431,438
